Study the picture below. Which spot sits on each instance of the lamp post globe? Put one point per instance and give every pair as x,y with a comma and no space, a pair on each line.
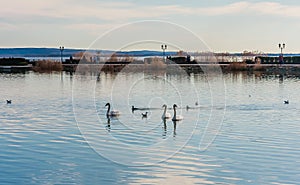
61,48
164,47
281,47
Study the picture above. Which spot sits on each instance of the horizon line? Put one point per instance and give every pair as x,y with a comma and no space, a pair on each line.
112,50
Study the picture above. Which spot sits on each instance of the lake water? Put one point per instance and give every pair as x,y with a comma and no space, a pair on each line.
56,130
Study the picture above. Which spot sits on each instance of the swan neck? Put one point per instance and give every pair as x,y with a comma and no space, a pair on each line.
108,109
165,110
174,112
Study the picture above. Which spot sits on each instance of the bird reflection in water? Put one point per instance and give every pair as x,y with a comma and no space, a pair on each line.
108,124
174,130
164,134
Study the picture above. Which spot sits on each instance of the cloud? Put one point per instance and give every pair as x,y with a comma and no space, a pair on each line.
272,8
7,27
235,8
92,28
97,12
238,8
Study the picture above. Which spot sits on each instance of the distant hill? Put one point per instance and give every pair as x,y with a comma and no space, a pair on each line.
35,52
144,53
55,52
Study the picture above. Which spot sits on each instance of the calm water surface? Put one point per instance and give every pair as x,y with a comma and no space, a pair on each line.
56,132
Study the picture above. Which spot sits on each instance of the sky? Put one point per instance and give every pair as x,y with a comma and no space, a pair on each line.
222,25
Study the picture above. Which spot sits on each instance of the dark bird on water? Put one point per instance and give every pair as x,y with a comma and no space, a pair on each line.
286,102
145,115
8,101
133,108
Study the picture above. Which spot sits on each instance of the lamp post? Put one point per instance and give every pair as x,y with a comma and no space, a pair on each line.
61,48
281,47
164,47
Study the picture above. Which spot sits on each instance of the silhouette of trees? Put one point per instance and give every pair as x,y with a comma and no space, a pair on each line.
113,58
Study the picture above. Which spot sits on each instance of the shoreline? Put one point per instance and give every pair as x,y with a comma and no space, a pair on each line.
190,68
155,64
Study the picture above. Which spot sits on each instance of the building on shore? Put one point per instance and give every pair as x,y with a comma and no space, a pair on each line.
276,60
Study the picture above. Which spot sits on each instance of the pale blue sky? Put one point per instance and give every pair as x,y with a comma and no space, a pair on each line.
224,25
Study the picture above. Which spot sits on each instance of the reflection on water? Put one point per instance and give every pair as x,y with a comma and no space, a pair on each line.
174,130
42,144
108,123
164,129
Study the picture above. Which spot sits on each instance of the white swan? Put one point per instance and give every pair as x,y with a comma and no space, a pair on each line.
176,117
165,115
112,113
